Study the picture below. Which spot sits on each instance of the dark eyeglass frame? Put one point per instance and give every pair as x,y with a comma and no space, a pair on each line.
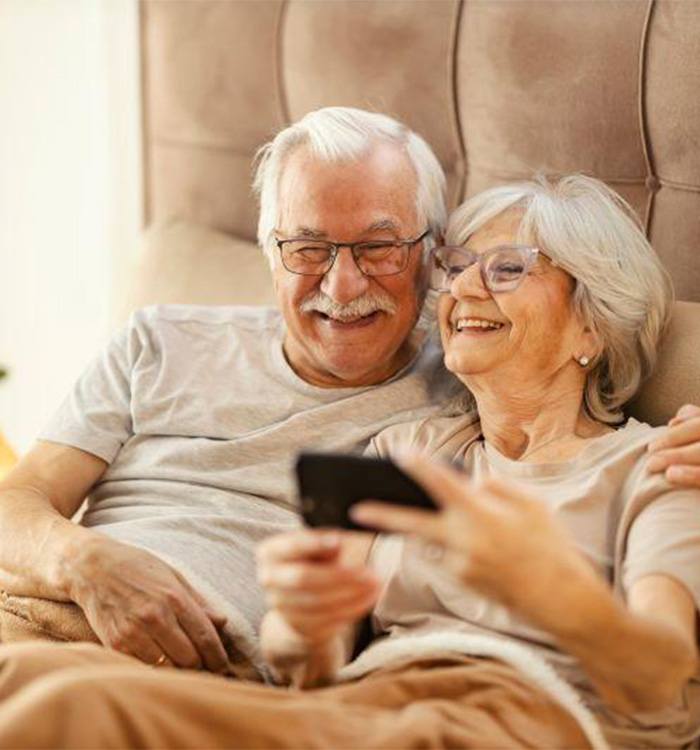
528,254
335,246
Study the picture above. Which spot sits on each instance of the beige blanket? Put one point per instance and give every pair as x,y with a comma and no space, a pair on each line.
445,701
26,618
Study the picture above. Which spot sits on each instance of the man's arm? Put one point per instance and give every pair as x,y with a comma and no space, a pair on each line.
133,601
38,542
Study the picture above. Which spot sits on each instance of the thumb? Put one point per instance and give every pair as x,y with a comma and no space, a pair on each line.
216,617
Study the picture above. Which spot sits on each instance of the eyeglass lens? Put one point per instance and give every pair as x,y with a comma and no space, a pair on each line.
502,268
316,258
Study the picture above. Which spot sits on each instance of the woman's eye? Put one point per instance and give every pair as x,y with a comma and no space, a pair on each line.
510,268
455,270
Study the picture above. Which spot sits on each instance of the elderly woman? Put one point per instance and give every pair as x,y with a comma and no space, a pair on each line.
558,537
552,599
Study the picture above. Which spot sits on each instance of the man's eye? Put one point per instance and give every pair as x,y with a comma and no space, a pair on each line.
375,250
310,253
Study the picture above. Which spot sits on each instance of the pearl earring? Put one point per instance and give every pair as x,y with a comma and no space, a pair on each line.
583,361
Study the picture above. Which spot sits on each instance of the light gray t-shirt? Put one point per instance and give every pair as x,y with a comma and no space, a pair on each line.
200,417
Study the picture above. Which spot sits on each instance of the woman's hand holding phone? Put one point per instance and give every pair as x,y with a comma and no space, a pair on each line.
314,585
494,537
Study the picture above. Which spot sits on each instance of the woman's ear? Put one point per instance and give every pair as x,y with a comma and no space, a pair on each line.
590,344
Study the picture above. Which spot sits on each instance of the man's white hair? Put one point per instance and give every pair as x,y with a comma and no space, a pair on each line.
622,291
337,134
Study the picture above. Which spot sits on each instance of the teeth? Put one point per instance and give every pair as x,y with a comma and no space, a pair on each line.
476,323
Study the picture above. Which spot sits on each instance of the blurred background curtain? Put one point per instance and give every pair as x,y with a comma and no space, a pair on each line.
70,195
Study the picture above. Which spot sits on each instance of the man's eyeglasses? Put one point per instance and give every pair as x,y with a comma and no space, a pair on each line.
502,268
310,257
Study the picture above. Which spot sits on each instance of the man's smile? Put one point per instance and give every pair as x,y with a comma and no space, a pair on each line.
349,323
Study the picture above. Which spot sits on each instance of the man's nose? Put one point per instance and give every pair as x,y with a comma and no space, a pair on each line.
470,283
344,282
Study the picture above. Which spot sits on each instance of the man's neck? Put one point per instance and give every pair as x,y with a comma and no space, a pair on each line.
385,371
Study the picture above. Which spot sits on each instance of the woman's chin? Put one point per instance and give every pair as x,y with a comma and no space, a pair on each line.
464,365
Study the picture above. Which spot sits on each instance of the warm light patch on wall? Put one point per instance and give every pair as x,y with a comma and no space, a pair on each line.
7,457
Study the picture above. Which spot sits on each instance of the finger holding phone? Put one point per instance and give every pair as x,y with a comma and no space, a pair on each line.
496,538
317,583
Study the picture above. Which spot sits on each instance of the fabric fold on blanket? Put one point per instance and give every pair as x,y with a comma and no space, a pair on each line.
525,660
28,618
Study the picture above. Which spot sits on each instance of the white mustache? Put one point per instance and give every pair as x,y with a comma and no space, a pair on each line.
360,307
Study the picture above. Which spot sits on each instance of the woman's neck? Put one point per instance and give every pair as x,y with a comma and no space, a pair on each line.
546,421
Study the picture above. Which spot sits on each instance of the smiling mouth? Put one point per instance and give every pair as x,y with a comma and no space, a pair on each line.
476,326
348,324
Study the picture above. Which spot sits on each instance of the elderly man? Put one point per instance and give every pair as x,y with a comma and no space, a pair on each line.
182,432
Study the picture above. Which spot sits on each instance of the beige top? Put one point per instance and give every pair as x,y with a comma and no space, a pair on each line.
628,523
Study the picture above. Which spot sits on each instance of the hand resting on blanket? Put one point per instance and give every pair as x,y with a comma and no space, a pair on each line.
133,601
137,604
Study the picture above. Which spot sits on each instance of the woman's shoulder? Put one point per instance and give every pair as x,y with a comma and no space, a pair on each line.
628,441
436,435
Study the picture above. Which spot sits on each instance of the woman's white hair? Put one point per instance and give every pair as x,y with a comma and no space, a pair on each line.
622,291
346,134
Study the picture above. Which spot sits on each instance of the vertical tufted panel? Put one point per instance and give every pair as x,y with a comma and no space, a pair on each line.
211,87
392,57
672,111
537,91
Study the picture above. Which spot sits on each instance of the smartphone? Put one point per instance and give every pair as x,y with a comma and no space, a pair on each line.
331,483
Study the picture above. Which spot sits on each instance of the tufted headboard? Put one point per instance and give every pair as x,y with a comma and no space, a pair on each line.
499,88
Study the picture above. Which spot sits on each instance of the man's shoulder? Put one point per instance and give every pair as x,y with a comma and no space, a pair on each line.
210,319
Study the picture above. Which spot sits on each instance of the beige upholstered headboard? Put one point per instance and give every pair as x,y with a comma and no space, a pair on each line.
499,88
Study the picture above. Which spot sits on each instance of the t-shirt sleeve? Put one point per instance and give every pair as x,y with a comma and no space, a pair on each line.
96,415
665,539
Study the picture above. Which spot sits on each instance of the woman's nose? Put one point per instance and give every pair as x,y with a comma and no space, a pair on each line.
470,283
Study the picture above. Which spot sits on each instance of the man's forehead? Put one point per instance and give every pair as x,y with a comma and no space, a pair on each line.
385,224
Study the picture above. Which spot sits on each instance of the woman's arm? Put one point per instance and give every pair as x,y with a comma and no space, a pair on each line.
509,547
638,657
318,589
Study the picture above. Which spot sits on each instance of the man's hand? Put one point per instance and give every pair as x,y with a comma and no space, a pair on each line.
139,605
677,451
310,587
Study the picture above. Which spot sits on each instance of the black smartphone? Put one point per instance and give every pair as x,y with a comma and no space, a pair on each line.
331,483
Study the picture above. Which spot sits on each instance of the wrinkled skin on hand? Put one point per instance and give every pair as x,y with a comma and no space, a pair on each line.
311,588
139,605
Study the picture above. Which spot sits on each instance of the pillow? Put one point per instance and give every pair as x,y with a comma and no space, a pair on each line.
676,379
184,263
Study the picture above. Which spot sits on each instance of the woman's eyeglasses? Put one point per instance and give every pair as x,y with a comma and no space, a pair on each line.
502,268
